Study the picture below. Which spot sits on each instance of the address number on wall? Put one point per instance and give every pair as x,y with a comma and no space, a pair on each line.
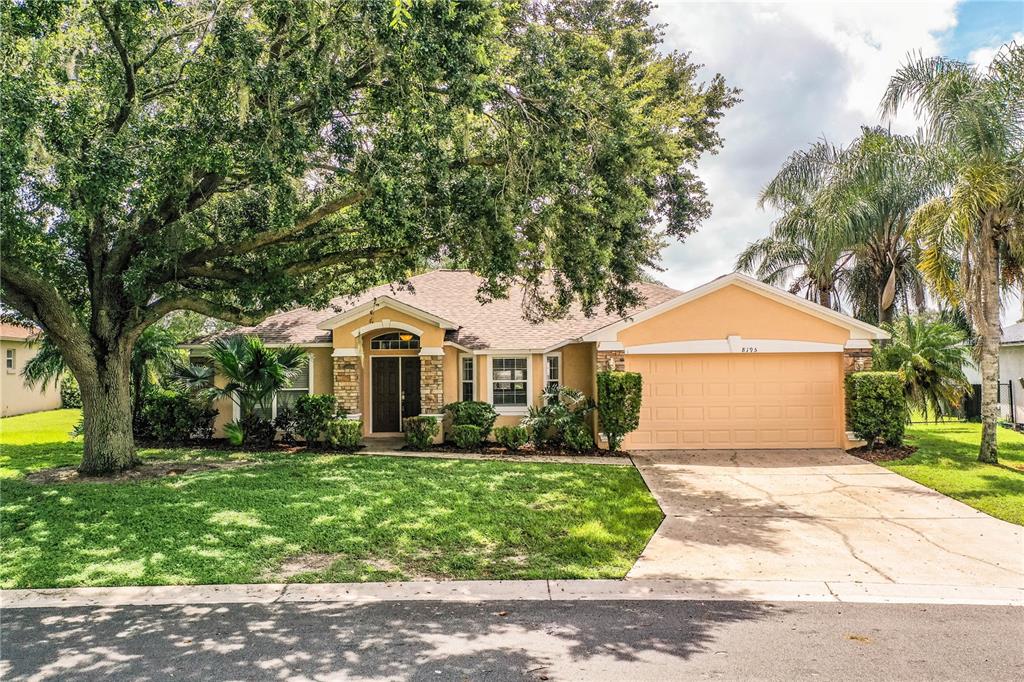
748,349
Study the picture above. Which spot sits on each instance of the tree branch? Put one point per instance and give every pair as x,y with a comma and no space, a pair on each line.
129,72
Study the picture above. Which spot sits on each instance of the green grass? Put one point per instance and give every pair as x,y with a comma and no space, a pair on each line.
382,518
947,461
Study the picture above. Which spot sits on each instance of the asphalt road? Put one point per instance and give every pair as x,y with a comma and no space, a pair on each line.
540,640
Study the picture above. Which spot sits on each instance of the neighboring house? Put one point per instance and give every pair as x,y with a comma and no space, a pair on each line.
18,345
1011,376
731,364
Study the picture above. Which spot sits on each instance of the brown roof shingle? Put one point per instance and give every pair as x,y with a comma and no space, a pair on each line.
451,294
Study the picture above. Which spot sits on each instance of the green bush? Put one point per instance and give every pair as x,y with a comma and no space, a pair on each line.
234,433
257,432
474,413
286,424
420,431
876,406
70,394
578,437
312,414
561,409
618,404
511,437
172,417
344,434
467,436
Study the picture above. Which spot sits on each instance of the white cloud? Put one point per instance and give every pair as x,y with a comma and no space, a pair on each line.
983,55
806,71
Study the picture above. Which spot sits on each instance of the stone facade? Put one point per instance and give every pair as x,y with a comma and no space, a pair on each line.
347,380
856,360
611,359
431,384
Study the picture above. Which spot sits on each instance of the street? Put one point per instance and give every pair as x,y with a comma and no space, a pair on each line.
515,640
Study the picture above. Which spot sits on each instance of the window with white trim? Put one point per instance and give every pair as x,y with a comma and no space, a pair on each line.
11,360
467,377
300,385
552,370
509,381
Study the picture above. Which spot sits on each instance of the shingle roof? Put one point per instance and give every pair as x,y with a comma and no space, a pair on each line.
1014,333
451,294
18,333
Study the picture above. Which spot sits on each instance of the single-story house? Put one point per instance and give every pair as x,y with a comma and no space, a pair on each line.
18,345
734,363
1011,377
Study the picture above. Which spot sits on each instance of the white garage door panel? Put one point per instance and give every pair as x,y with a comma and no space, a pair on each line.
738,401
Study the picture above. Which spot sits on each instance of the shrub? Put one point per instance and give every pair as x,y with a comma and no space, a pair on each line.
474,413
286,424
618,404
257,431
172,417
420,431
876,406
467,436
578,437
512,437
70,394
312,414
561,409
344,434
234,433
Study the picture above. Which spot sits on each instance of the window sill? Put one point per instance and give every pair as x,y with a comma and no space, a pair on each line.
511,411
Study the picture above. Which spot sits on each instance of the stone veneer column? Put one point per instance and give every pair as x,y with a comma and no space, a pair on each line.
431,383
347,382
856,360
611,359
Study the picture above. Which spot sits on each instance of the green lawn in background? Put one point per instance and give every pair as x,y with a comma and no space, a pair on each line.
376,518
947,461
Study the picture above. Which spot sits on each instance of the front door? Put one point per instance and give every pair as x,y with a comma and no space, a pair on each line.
395,392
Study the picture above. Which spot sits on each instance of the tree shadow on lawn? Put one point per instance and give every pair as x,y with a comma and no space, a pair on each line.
443,518
393,640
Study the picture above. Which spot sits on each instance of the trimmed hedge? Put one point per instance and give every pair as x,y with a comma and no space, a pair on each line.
511,437
876,406
344,434
312,414
172,417
70,394
474,413
467,436
577,437
618,404
420,431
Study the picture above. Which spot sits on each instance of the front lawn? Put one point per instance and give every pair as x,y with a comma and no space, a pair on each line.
947,461
320,517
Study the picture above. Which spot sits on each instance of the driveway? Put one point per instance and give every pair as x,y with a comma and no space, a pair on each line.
816,515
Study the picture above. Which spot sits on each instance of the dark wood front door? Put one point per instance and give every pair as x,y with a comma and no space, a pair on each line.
386,395
410,387
396,392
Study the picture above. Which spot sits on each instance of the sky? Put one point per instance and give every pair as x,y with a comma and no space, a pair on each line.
807,70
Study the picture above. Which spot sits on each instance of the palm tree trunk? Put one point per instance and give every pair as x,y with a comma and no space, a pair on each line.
989,337
825,297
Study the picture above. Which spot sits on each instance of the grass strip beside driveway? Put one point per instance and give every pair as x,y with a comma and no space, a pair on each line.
354,518
947,461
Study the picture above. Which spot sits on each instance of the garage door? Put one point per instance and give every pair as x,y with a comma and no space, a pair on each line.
738,401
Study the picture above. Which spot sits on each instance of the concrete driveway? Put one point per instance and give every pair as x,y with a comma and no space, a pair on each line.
816,515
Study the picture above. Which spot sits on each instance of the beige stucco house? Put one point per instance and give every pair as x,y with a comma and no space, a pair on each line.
18,345
734,363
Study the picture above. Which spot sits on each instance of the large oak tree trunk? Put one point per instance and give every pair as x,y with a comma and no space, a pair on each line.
107,414
989,336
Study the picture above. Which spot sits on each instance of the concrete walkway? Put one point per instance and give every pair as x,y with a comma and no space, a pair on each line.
818,516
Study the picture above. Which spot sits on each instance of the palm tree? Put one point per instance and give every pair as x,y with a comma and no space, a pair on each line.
930,356
845,212
254,372
972,149
152,356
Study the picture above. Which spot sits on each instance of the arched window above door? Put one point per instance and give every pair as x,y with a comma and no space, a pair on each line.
395,341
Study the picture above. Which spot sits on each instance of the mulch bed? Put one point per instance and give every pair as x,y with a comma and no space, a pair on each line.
528,450
883,453
222,445
147,471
